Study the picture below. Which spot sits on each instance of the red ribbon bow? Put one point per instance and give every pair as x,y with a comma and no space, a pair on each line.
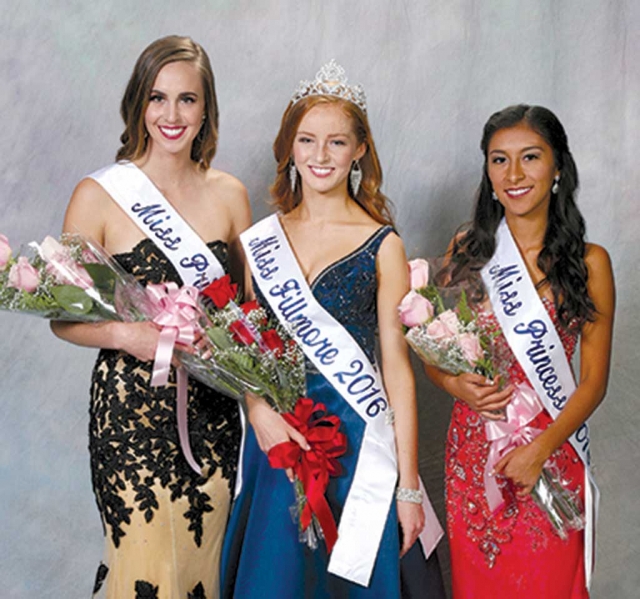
314,466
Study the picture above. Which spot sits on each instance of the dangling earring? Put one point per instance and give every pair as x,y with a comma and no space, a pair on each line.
555,186
293,175
355,177
494,196
146,133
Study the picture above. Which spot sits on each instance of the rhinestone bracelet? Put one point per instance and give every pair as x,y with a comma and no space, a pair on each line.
409,495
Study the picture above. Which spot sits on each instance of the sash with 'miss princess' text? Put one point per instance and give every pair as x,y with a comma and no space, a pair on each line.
332,350
536,344
152,213
196,264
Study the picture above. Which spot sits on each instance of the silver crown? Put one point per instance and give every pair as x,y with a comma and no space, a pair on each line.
331,81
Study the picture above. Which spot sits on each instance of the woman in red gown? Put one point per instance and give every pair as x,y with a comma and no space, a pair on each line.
529,179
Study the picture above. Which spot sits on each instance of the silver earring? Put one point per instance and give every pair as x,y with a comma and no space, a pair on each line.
293,175
555,186
355,177
494,196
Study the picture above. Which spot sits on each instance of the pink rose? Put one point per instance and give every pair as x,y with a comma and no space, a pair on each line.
51,249
450,320
415,309
61,265
419,272
445,326
67,272
5,252
23,276
88,257
471,348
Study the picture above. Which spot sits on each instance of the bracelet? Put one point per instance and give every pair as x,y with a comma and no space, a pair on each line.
409,495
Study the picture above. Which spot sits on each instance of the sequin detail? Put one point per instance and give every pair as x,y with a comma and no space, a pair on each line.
466,457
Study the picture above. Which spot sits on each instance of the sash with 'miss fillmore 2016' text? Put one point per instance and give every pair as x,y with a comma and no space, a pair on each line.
536,344
332,350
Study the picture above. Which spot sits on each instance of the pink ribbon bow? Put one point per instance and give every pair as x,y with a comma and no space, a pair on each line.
508,434
176,312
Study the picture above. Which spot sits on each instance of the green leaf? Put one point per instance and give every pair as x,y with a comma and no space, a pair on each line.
242,360
464,311
103,277
219,337
72,299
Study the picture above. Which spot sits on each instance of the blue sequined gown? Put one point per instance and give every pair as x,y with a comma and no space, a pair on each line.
262,556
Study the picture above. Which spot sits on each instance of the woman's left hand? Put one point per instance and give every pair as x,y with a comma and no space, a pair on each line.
523,466
411,518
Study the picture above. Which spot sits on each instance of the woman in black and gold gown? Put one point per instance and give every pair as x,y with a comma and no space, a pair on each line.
163,523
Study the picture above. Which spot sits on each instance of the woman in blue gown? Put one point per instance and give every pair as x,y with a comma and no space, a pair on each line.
339,228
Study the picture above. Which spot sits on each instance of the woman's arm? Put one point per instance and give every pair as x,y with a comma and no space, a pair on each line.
271,428
393,284
524,464
86,215
481,394
239,211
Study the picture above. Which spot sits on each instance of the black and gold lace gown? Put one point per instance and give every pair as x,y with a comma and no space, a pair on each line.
163,523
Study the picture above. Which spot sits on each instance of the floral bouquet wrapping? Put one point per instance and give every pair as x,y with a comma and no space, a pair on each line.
73,280
562,506
443,327
246,350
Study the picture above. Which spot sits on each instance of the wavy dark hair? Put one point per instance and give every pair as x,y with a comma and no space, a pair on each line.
562,256
173,48
369,196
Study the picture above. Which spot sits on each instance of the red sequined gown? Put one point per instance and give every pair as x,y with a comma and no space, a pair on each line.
513,553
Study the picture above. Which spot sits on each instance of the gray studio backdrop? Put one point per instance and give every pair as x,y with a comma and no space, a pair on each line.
433,70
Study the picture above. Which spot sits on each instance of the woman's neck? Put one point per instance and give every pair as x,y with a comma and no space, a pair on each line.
528,232
319,207
167,171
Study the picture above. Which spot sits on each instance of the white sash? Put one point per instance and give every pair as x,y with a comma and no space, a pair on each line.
536,344
141,200
338,357
196,264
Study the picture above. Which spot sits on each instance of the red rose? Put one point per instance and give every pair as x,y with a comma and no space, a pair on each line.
273,341
241,333
248,307
221,291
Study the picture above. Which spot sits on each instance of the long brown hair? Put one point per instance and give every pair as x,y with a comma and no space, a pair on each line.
369,196
562,256
135,101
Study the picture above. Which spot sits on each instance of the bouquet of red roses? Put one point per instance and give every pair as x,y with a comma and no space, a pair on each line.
246,350
243,350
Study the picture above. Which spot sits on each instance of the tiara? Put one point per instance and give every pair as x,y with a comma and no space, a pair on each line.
331,81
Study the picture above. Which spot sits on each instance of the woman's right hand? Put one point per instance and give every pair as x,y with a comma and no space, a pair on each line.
481,394
271,428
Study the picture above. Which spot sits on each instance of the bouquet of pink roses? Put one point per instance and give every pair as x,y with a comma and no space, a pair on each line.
442,328
73,280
